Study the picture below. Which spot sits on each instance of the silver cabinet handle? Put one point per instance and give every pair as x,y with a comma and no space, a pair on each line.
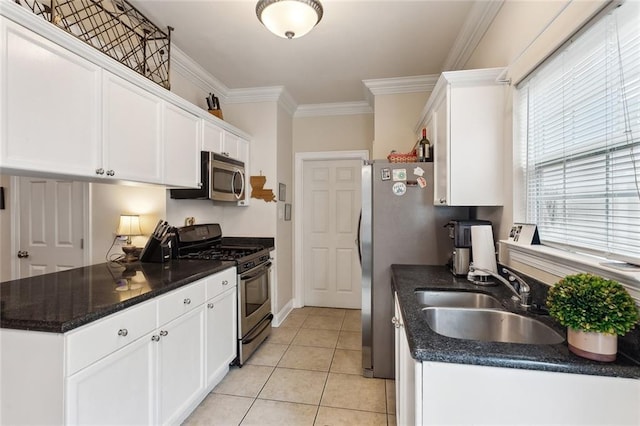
187,301
225,282
100,171
111,173
155,338
23,254
396,322
442,200
210,305
123,332
164,333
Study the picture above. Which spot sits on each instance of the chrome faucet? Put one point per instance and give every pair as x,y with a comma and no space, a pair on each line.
523,293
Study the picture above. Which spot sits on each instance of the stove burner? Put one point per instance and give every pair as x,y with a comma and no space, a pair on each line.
222,253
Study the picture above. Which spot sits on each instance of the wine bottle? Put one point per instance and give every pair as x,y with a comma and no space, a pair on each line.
424,148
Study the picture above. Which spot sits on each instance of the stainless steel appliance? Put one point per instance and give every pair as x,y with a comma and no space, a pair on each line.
399,224
460,233
205,242
221,179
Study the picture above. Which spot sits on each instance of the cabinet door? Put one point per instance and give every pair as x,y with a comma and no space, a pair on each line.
212,137
440,134
231,146
243,155
49,105
181,147
475,147
181,365
118,389
408,395
132,146
221,335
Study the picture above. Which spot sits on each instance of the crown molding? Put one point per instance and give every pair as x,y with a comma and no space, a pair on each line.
277,94
196,74
396,85
478,21
333,109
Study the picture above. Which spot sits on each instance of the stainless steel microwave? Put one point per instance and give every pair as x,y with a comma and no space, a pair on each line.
222,179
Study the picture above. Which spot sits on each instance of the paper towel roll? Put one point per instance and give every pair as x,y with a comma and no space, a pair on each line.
483,248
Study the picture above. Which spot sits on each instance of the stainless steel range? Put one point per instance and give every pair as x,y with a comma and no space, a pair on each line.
205,242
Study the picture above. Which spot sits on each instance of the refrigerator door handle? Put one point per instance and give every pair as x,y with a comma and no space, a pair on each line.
358,243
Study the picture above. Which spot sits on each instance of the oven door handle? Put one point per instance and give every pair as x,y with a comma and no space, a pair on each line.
257,273
253,334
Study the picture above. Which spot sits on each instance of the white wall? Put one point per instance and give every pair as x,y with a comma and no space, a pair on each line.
284,229
395,120
108,201
260,120
333,133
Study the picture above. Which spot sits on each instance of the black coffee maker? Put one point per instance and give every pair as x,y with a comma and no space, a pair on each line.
460,233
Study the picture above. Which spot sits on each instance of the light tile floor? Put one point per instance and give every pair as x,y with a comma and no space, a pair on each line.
308,372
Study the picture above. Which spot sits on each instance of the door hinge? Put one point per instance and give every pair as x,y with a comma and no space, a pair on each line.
81,243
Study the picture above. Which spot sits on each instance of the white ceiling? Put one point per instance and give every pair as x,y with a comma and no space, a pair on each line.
355,40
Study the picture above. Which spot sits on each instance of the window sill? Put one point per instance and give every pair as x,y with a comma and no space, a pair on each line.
548,265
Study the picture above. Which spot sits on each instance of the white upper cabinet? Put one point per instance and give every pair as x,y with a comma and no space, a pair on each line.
49,105
181,132
232,146
213,137
131,131
464,117
68,110
223,142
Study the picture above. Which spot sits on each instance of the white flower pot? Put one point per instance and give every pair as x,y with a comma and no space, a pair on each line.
590,345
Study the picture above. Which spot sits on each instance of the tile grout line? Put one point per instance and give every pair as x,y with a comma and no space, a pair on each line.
265,383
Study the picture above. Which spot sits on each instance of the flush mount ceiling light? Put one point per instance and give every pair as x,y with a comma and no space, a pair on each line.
289,18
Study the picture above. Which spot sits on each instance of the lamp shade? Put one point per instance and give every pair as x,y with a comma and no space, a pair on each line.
129,225
289,18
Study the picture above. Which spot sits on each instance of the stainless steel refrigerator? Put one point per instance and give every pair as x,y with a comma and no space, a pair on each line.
399,225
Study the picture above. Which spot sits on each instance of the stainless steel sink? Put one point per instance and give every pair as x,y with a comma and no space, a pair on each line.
457,299
490,325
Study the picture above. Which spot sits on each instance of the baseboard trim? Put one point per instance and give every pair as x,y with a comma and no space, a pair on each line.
279,317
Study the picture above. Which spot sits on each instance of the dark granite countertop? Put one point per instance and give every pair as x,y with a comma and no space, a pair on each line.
426,345
61,301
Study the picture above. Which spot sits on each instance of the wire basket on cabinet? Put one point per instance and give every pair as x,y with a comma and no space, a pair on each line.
115,28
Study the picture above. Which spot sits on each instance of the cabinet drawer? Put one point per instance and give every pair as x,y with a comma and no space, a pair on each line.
180,301
220,282
94,341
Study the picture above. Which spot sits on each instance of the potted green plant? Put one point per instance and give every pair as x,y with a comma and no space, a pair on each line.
595,311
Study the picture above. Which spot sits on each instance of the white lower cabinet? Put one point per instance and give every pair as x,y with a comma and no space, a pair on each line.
117,390
438,393
180,365
408,370
150,364
221,344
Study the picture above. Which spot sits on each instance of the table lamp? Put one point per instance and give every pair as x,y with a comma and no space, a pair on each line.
129,226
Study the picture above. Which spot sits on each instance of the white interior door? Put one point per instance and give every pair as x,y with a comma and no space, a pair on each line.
51,216
331,206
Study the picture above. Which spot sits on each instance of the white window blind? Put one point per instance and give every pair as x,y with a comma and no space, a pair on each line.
579,121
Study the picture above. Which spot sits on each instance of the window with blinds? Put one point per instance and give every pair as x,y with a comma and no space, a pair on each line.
579,123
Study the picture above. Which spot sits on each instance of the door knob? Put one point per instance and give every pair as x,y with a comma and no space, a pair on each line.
23,254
